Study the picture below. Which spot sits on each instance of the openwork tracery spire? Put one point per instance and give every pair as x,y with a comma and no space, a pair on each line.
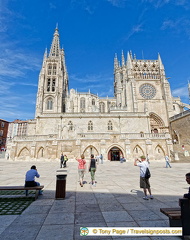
55,46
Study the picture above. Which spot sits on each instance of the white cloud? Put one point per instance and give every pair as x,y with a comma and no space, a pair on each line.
14,63
135,29
52,6
95,83
157,3
87,5
180,92
117,3
181,25
90,78
161,3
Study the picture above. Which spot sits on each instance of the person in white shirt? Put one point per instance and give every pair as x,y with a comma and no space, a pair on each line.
144,182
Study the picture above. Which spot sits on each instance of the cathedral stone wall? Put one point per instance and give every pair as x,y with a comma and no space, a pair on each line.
134,122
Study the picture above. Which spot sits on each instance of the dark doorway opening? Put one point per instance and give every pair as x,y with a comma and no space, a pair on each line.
114,154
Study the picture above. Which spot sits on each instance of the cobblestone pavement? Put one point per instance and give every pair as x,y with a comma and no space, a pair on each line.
115,201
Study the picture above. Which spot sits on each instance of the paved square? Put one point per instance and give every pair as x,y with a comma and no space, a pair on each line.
116,201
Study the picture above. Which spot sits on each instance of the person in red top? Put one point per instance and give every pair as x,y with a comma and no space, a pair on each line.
81,169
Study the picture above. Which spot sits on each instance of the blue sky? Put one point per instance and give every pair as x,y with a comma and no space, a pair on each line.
91,32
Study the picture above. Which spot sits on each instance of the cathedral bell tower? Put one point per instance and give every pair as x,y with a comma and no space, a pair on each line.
53,81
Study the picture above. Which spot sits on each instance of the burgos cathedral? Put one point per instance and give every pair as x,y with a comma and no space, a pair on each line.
134,122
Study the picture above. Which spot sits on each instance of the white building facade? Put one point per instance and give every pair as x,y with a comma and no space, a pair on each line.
134,122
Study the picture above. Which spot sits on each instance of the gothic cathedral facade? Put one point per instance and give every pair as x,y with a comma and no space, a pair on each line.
134,122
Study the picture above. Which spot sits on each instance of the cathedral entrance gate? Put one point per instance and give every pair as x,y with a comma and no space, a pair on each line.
114,154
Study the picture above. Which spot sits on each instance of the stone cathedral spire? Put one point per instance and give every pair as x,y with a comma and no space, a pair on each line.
55,46
53,80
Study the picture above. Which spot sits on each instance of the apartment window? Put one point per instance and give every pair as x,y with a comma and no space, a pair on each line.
2,124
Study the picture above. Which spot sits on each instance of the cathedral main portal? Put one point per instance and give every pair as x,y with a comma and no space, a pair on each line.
114,154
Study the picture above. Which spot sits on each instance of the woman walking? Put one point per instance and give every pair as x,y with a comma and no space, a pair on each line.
92,169
81,169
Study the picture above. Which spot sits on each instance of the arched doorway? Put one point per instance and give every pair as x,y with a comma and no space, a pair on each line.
156,123
114,154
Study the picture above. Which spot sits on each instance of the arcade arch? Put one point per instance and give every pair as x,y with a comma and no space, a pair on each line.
90,150
24,153
137,151
40,153
159,153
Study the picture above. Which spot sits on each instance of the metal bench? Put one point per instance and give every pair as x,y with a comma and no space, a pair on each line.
37,188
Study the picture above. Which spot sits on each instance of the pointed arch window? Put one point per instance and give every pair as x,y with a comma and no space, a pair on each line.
48,84
50,104
102,107
82,104
54,69
70,124
110,126
53,85
90,126
49,69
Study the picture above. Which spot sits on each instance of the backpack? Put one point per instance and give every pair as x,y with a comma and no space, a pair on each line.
147,173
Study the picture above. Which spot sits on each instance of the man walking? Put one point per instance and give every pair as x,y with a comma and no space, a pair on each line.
167,161
101,158
61,161
144,182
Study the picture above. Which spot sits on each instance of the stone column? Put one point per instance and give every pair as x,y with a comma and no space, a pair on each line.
128,150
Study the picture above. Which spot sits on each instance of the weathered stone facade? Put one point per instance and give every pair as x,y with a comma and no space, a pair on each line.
134,122
180,131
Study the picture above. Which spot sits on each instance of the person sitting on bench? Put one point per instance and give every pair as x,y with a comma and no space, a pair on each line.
187,195
30,179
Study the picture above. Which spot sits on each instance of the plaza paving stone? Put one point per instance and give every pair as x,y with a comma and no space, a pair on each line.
116,201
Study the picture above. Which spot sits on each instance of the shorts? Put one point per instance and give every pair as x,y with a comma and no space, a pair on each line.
144,183
81,173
